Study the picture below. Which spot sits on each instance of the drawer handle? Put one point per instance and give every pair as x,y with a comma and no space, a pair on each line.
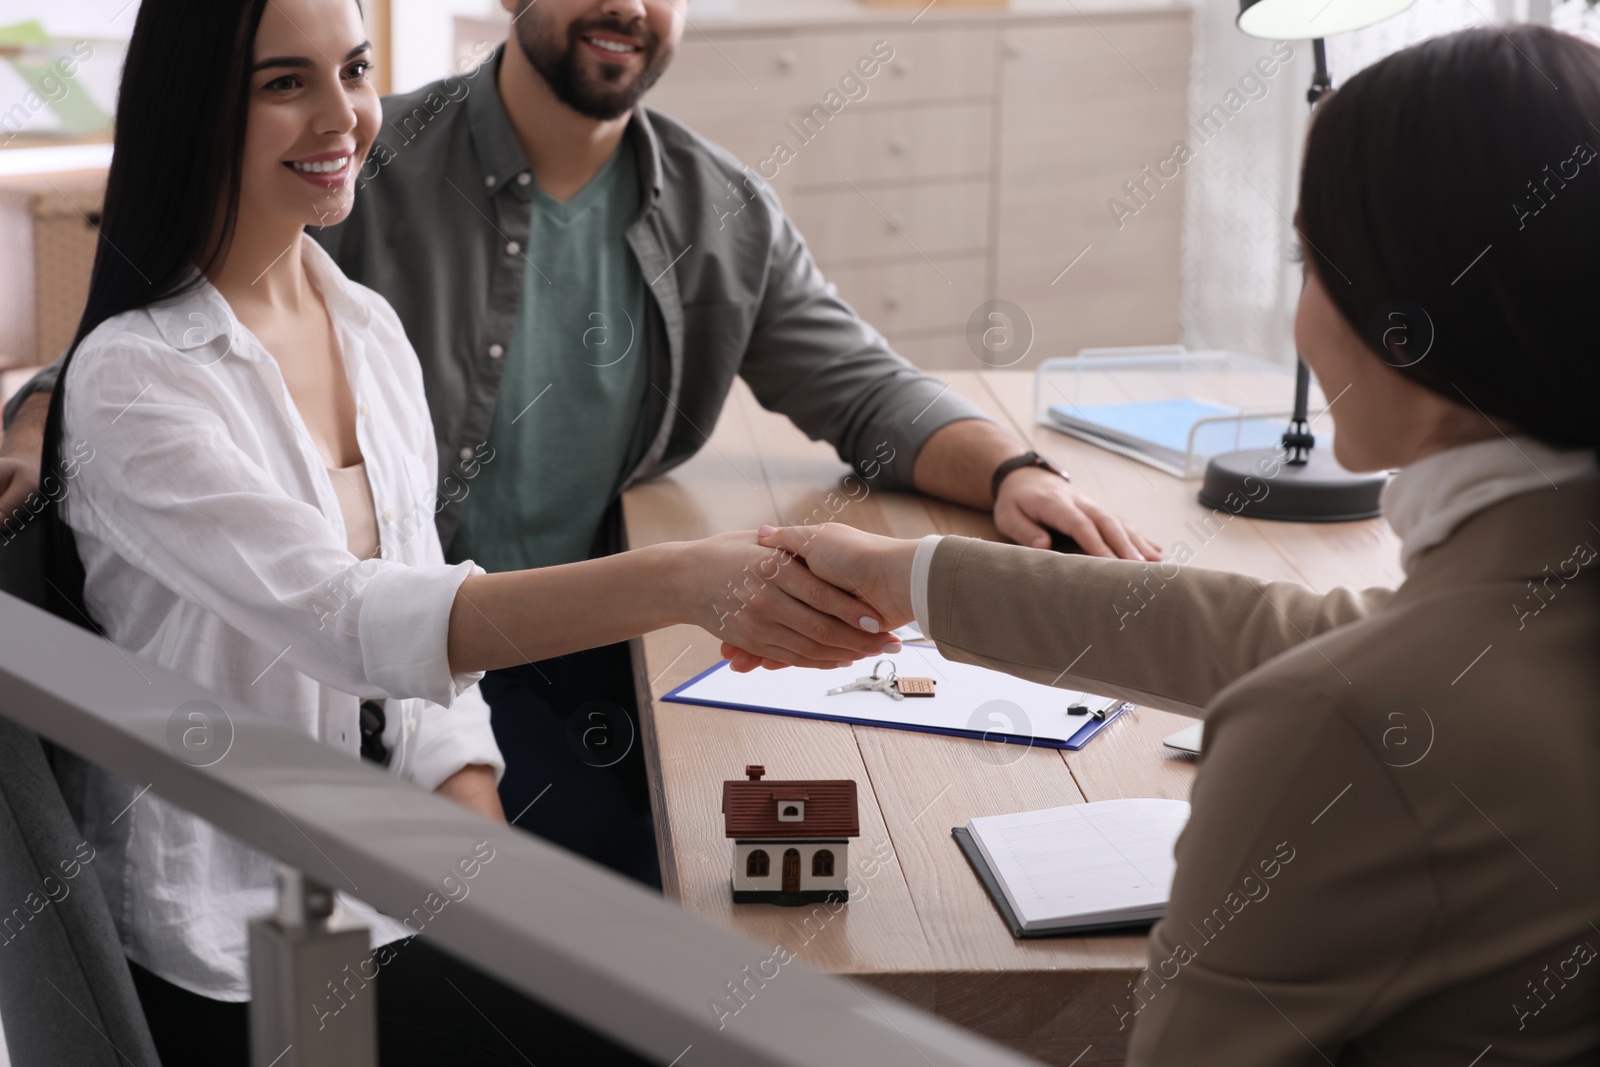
897,223
890,303
902,67
787,59
899,143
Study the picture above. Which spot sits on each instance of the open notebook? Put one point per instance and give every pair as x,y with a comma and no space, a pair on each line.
1081,867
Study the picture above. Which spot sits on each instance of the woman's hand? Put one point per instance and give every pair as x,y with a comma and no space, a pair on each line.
766,604
876,569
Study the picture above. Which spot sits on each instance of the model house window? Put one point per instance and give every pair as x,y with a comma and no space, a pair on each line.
757,864
791,811
822,864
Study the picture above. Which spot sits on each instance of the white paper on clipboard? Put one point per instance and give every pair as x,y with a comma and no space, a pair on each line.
970,700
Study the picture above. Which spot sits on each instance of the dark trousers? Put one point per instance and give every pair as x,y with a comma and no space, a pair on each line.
422,1020
569,731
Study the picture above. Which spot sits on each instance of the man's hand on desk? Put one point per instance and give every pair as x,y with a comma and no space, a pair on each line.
959,461
1034,501
877,569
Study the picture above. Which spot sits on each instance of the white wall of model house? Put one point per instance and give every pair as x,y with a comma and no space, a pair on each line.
774,877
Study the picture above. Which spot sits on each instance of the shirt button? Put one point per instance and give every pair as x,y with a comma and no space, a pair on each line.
362,407
513,248
524,178
412,724
496,351
466,454
388,514
489,181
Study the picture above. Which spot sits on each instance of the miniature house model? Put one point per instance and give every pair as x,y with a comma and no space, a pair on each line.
790,839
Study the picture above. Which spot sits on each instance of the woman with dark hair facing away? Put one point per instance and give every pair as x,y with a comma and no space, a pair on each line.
1393,853
252,506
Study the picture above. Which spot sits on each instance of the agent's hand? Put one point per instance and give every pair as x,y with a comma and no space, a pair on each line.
767,604
876,569
1032,499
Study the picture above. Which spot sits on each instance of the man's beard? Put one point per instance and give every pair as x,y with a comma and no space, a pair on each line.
555,56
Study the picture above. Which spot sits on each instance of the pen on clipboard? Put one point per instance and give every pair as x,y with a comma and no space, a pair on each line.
1095,713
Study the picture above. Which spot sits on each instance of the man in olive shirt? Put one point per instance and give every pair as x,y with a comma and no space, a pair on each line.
580,298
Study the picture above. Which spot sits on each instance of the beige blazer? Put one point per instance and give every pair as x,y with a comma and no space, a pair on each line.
1394,850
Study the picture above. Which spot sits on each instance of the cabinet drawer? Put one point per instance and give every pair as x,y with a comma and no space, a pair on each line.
1117,121
914,295
925,64
845,225
741,76
892,145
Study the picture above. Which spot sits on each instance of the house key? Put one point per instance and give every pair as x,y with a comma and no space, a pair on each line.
885,685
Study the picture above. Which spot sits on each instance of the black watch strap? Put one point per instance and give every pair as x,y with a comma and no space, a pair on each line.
1016,463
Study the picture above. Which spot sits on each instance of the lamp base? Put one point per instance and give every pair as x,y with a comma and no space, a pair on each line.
1318,490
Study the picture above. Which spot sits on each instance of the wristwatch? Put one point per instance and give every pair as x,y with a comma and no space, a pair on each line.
1016,463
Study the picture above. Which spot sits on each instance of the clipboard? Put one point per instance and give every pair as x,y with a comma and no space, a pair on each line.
797,692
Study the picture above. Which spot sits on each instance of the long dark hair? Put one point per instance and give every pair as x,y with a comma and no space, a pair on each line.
1450,204
172,198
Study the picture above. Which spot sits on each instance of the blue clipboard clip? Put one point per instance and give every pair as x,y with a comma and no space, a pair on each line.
1097,721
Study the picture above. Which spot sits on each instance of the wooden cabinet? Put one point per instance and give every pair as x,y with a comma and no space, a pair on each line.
1072,134
939,163
47,223
932,219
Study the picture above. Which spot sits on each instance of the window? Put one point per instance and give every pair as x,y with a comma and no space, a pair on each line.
822,864
757,865
791,811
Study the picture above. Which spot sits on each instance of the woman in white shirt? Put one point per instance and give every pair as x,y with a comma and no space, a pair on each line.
252,490
1427,758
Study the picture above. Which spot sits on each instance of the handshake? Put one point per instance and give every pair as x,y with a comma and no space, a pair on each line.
807,596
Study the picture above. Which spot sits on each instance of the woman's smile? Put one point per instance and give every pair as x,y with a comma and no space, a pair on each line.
329,170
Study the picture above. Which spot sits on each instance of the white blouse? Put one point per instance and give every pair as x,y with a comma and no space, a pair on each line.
214,545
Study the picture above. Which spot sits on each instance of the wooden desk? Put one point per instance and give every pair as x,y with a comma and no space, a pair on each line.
922,926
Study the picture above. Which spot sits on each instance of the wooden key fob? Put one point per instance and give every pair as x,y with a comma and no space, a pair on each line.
915,687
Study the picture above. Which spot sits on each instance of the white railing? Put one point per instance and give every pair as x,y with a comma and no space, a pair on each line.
592,945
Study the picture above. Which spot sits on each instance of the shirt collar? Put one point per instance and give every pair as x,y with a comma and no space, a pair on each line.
500,156
201,319
197,319
1428,500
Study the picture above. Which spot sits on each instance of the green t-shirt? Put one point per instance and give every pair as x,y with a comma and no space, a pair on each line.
567,415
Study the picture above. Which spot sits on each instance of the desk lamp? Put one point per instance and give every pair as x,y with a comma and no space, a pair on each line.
1309,485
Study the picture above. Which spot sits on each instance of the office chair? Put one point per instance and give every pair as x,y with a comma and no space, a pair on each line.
66,996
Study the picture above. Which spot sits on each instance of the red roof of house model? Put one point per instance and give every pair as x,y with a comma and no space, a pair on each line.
750,808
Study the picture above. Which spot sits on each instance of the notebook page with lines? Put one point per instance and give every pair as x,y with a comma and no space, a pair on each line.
1083,865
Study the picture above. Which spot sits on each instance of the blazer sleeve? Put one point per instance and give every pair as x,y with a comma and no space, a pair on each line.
1163,634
